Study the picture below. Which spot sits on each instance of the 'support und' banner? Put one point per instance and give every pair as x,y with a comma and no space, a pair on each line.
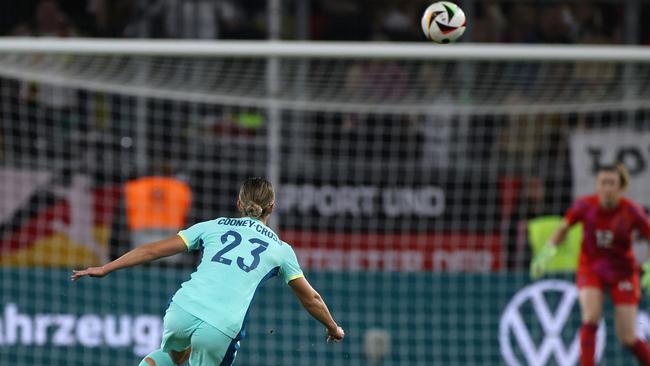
46,220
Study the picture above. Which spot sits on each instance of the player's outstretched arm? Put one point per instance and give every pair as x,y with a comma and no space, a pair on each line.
315,305
559,234
540,262
142,254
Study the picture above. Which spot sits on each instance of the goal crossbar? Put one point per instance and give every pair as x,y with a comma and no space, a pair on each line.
296,49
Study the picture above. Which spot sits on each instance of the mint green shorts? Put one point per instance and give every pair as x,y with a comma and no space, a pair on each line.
210,346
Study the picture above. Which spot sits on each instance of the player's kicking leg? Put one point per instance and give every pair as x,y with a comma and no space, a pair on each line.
626,296
624,320
161,358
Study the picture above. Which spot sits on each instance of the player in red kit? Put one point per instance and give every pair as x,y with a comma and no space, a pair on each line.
606,262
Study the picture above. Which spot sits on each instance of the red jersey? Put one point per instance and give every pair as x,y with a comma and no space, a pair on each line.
607,234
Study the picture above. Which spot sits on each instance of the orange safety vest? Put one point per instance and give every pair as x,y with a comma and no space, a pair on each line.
157,203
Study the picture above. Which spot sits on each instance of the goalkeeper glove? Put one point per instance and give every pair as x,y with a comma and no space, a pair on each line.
540,262
645,278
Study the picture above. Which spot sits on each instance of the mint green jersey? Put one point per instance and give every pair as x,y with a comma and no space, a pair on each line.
239,255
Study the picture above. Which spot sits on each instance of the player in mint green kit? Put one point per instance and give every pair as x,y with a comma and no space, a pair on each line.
206,318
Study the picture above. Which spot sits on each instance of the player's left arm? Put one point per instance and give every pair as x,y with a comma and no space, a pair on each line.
643,226
642,223
645,231
142,254
540,261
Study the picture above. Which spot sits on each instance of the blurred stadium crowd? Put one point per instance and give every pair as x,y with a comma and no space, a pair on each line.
578,21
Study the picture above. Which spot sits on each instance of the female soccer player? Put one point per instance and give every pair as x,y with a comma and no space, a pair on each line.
208,313
606,260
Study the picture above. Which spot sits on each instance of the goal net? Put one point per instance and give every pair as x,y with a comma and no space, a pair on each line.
413,183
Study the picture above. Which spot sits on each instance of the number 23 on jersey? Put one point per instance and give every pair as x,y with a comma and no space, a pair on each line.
234,239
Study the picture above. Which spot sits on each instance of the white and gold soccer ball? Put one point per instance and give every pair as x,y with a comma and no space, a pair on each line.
443,22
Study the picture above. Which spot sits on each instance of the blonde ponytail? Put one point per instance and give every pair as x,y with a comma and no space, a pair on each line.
253,210
256,198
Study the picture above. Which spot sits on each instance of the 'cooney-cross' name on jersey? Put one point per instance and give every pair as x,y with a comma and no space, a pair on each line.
239,255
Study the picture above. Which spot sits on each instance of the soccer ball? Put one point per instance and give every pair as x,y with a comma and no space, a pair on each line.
443,22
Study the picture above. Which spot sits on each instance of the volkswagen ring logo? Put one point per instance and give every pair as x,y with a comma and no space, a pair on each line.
517,345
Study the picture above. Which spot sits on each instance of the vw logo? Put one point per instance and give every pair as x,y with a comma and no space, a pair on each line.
517,345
